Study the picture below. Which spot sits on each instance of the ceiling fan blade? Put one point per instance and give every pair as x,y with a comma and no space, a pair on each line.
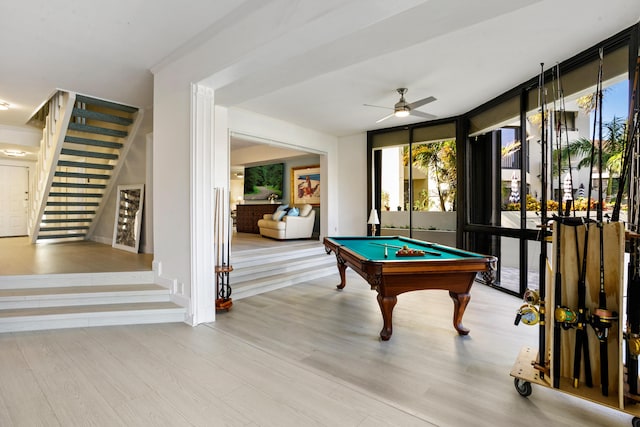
421,102
377,106
385,118
421,114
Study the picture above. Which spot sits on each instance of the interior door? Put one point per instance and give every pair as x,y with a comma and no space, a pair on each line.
14,200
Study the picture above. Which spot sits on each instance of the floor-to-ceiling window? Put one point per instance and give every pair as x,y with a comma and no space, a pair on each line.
519,159
528,154
415,181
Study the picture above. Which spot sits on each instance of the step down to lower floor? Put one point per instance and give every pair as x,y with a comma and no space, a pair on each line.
65,296
34,319
259,271
278,281
307,263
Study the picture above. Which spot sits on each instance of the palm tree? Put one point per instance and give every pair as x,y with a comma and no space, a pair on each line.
439,158
613,147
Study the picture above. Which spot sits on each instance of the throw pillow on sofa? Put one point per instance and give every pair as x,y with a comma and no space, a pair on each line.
293,212
280,212
277,215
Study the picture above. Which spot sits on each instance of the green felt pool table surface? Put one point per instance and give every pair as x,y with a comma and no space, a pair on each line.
440,267
373,248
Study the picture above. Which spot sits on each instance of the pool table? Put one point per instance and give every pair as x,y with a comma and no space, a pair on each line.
380,262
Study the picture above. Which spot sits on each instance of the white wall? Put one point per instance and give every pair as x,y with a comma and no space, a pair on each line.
133,172
30,164
171,179
351,207
27,136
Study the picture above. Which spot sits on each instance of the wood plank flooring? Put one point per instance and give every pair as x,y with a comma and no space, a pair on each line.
19,257
303,355
306,355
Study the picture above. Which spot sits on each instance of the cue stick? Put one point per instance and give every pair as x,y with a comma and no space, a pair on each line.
400,247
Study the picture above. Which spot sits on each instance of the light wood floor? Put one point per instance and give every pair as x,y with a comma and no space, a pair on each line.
19,257
303,355
306,355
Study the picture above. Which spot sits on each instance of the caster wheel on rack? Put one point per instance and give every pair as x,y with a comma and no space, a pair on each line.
635,422
524,389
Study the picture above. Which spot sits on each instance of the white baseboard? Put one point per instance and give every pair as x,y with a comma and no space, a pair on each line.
176,290
103,240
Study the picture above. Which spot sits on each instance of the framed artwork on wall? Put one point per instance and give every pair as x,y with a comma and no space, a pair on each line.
264,182
128,221
305,185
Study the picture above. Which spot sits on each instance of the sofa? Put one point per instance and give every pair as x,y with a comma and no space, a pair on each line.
286,222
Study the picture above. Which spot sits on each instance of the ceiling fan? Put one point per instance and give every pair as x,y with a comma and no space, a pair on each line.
402,108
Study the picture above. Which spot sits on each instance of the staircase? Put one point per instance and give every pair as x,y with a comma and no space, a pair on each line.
84,142
256,271
29,303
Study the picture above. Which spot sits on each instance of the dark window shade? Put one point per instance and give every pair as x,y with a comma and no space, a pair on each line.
421,134
390,139
439,132
582,79
503,114
576,81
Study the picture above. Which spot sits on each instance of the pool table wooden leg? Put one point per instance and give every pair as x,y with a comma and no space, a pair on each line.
460,302
341,269
386,306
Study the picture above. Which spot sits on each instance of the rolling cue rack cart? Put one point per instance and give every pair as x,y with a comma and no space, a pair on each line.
526,370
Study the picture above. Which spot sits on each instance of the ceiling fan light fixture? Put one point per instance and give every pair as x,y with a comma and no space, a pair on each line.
401,113
402,108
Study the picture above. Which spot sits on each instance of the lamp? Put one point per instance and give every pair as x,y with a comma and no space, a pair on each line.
4,105
373,220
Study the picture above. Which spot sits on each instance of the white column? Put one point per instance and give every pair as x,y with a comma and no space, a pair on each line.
201,201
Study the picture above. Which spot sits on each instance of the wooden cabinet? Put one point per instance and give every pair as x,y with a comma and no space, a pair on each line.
247,216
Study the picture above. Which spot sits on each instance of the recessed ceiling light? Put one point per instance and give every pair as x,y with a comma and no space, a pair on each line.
15,153
4,105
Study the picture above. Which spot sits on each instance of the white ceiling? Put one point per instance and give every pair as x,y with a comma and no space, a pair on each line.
316,68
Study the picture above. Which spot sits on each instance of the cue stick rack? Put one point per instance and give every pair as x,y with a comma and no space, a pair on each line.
524,370
222,238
